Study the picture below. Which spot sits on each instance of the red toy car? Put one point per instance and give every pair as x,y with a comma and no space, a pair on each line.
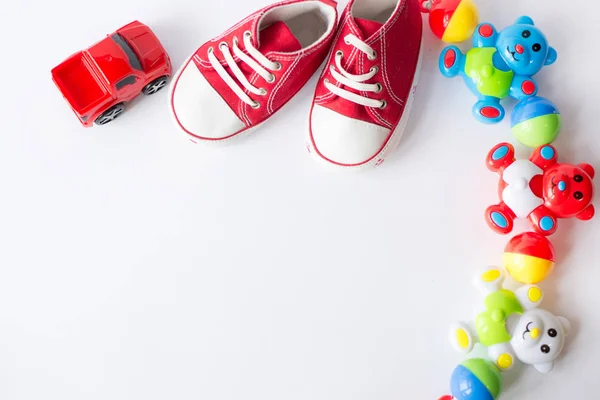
98,81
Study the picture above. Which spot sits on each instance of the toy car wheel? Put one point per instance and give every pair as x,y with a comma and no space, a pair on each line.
110,115
155,85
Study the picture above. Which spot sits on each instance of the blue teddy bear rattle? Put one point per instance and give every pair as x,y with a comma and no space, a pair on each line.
500,64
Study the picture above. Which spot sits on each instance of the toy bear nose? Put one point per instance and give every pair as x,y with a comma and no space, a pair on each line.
562,185
519,49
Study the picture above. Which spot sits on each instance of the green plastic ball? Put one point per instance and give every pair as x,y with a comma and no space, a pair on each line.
535,121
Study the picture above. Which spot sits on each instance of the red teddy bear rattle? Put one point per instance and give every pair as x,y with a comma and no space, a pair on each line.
539,189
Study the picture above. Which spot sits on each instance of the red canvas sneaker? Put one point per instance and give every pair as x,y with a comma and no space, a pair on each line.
363,98
236,81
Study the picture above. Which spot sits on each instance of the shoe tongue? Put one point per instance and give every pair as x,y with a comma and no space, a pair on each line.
367,27
278,37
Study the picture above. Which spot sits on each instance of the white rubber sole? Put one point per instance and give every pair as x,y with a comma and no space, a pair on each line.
224,142
394,140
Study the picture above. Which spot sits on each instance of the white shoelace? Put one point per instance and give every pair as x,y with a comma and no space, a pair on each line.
356,82
255,60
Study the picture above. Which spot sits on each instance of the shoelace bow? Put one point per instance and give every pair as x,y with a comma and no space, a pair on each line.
254,59
356,82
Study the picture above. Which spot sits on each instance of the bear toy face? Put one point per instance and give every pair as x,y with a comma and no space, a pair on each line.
524,48
539,337
568,190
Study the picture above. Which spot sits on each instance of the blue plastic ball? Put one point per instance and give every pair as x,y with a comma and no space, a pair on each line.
535,121
476,379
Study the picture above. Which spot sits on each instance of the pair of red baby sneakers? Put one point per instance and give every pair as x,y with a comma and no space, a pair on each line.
235,82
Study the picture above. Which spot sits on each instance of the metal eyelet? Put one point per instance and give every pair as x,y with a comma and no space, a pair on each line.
427,4
223,44
235,40
375,69
271,78
248,34
255,105
383,105
372,56
263,92
278,66
210,50
346,41
379,87
339,53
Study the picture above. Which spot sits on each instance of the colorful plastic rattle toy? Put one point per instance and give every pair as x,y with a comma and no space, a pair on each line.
512,327
501,64
529,257
539,189
475,379
452,21
535,121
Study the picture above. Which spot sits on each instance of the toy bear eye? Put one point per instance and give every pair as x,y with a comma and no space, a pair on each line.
578,195
526,34
536,47
545,349
578,178
552,332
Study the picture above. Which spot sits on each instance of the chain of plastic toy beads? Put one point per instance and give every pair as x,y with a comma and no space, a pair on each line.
540,189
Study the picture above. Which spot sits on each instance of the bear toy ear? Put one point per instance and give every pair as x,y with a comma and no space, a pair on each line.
544,368
588,169
587,213
551,57
564,324
525,20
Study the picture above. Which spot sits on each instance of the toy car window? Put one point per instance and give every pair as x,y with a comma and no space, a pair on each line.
130,80
134,61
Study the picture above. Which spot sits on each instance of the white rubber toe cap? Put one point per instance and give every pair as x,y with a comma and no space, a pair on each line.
199,109
345,140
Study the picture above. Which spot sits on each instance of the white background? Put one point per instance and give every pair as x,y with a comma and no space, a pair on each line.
136,265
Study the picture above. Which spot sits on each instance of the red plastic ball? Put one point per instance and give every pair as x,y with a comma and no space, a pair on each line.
452,21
